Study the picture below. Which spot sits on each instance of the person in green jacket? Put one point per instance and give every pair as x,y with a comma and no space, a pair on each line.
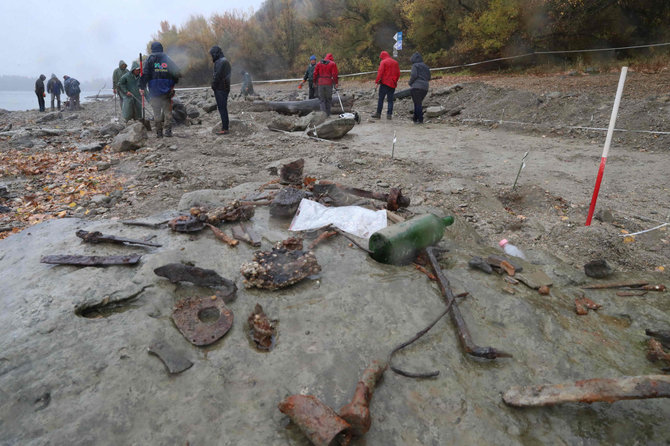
129,88
116,77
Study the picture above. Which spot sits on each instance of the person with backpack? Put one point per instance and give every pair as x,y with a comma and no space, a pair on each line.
221,85
309,76
129,87
72,91
55,88
160,74
39,91
116,77
325,78
418,82
387,79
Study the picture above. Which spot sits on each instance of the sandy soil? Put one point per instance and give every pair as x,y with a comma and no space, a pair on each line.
462,164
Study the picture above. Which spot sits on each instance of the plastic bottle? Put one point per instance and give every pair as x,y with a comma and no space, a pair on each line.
511,249
399,244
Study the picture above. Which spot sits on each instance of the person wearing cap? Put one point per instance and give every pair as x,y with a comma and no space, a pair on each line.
247,84
129,86
55,88
116,77
325,78
160,74
39,91
221,85
309,76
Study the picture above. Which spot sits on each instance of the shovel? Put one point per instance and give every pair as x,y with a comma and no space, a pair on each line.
337,92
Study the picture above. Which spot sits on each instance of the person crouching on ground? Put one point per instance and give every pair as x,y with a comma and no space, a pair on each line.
325,77
72,91
387,79
39,91
418,82
221,85
129,87
55,88
160,74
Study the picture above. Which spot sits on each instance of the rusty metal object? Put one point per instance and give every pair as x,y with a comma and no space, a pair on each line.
91,260
583,304
580,309
323,236
659,287
178,272
202,320
263,331
292,243
99,237
463,332
291,173
357,412
655,351
246,234
496,262
631,293
186,223
606,390
394,199
628,284
320,424
235,211
220,235
428,274
278,268
544,290
174,361
286,202
661,335
507,267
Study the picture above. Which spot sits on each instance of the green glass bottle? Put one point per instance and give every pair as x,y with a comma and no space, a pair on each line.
398,244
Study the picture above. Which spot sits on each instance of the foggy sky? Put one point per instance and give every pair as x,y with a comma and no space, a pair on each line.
86,39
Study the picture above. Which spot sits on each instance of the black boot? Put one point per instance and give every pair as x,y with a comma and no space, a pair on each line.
168,133
159,133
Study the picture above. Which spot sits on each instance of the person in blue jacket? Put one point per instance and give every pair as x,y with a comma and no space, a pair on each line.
160,75
55,87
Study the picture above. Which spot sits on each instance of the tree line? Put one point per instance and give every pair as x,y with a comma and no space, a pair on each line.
277,40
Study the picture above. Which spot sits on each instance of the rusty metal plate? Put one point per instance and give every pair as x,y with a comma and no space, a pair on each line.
202,320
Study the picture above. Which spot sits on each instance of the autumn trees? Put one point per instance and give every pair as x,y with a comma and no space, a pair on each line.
278,39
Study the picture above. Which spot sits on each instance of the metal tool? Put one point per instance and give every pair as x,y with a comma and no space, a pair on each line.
394,199
340,99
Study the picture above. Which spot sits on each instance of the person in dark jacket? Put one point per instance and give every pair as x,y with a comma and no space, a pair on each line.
116,77
309,77
387,79
39,91
418,82
72,91
129,87
160,74
247,84
325,77
221,85
55,88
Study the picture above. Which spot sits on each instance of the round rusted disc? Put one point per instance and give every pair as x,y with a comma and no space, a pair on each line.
187,317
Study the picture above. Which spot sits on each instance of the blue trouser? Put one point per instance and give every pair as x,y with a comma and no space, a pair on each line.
417,98
385,91
222,104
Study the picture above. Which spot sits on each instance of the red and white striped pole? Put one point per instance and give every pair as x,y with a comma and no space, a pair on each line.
608,141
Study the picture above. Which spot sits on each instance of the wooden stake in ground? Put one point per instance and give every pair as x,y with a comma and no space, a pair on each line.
608,141
606,390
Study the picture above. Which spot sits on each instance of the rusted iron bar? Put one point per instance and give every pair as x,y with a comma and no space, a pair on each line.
602,286
99,237
357,412
606,390
91,260
225,238
316,420
324,235
394,199
463,332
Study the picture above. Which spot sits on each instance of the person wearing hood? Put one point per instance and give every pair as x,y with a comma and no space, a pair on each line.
387,79
418,82
325,78
160,74
309,76
72,91
39,91
116,77
247,84
129,87
55,88
221,85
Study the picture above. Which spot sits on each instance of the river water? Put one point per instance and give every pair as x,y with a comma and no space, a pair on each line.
27,100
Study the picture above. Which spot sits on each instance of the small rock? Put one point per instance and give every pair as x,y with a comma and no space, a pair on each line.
172,148
93,147
360,161
433,112
604,215
99,199
598,269
382,185
85,134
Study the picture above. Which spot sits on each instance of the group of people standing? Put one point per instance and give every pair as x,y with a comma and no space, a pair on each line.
322,77
55,87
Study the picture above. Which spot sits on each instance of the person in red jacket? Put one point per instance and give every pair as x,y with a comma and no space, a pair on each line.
325,77
387,79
